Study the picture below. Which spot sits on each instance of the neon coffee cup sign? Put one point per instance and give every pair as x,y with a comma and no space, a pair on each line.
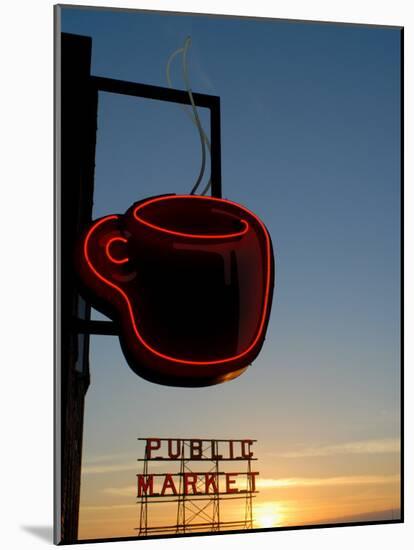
189,279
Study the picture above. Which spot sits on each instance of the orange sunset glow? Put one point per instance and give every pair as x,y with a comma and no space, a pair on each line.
111,509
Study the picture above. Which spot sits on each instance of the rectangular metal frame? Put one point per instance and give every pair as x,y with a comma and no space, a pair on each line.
135,89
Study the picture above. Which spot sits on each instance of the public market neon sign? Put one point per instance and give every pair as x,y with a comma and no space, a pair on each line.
197,483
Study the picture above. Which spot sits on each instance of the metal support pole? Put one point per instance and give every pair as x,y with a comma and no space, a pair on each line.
76,114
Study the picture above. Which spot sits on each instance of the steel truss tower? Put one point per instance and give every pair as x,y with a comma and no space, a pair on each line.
203,511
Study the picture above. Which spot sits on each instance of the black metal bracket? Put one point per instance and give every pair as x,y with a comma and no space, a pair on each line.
135,89
88,326
172,95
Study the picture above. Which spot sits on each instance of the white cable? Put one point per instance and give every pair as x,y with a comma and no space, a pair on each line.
194,115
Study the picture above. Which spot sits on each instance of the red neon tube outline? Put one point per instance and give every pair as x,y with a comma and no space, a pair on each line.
131,314
179,233
108,253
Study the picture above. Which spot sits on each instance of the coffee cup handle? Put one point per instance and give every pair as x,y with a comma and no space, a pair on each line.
119,256
105,251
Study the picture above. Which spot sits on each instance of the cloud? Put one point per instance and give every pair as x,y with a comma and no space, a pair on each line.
270,483
106,463
110,457
370,446
106,468
129,490
93,508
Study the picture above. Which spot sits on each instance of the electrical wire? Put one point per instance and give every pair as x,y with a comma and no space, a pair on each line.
204,141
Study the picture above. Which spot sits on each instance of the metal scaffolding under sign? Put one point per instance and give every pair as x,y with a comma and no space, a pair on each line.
198,492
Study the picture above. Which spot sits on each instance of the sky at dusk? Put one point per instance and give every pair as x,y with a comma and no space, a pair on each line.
310,117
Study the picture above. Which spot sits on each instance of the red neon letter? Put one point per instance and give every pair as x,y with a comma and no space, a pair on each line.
168,484
170,451
190,480
243,446
196,448
145,484
211,480
230,482
152,445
